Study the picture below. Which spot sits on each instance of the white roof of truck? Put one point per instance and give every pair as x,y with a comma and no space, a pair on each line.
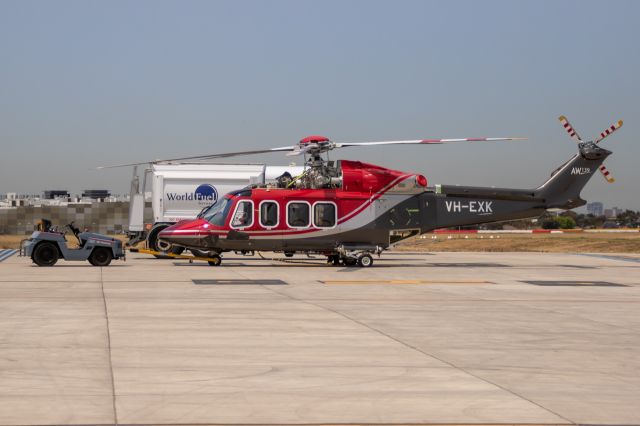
208,171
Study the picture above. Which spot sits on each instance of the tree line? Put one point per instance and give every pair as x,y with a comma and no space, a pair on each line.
569,220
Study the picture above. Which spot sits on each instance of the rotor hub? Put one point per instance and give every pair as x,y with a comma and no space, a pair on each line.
313,139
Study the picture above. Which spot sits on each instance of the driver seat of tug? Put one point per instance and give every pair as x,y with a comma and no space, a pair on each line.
43,225
76,233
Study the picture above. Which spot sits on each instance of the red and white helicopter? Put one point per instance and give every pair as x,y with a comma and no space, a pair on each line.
350,210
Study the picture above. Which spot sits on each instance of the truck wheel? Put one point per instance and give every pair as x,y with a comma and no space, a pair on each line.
156,245
100,256
45,254
365,260
216,260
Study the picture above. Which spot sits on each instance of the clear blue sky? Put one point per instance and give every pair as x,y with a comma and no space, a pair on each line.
85,83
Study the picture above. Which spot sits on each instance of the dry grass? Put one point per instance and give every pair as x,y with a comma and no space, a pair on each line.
553,243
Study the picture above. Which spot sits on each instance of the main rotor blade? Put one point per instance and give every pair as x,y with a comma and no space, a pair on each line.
422,142
205,157
606,174
609,130
569,128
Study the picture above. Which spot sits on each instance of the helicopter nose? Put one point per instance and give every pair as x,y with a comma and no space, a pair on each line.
186,233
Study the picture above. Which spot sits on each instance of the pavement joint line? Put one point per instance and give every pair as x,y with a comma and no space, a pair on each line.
415,348
106,317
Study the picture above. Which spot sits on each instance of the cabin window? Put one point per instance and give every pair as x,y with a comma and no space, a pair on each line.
324,215
298,214
269,214
243,215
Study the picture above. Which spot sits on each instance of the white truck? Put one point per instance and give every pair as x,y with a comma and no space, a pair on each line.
181,191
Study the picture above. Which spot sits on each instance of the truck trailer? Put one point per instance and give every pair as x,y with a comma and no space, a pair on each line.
181,191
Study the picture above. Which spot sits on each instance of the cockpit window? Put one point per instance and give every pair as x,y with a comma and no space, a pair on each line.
243,215
217,212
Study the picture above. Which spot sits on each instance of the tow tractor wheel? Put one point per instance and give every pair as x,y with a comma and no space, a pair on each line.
216,260
365,260
100,256
45,254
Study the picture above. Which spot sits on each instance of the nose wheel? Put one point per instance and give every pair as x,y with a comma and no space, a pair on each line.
214,260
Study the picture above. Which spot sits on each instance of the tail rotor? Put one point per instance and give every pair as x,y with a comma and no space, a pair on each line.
609,130
569,128
605,173
574,135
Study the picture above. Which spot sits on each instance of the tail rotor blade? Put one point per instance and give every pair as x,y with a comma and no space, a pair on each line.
569,128
609,130
606,174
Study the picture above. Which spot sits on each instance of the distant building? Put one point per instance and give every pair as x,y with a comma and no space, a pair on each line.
596,208
613,213
55,193
96,194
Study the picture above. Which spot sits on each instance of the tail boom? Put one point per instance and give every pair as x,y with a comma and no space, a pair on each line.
452,205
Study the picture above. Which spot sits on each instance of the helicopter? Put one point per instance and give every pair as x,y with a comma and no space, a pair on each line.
350,211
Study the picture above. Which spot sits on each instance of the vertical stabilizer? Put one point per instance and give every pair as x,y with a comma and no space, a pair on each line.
562,189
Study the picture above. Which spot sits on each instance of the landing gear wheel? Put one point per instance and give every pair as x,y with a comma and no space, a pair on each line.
365,260
216,260
350,261
100,256
45,254
289,253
